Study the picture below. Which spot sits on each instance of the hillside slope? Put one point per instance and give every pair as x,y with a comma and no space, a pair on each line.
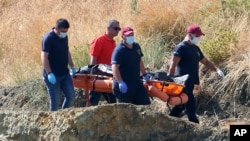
25,116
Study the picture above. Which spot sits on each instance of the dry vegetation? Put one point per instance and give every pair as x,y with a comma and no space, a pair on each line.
159,24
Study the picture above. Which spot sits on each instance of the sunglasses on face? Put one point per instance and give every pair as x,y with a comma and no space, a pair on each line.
116,28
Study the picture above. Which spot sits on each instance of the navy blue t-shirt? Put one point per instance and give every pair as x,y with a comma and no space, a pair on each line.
189,64
58,53
129,61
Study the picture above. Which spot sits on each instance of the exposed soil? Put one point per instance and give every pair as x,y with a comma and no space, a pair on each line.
216,105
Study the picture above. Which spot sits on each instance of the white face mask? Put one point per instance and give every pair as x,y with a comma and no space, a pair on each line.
195,40
130,40
62,34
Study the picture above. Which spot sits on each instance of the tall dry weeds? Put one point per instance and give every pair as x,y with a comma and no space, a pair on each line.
159,25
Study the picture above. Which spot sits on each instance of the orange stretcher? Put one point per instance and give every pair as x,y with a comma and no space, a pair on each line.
169,92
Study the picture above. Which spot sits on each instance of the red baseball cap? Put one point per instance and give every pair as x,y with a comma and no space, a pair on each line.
127,30
195,30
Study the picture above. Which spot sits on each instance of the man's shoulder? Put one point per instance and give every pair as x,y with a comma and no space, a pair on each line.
182,44
100,38
137,45
119,46
49,35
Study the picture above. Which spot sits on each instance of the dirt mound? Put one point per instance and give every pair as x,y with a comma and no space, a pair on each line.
29,96
219,104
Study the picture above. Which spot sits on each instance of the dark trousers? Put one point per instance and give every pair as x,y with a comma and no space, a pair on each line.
190,106
136,94
95,97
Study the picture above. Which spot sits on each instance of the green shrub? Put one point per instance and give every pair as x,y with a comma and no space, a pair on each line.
218,49
235,7
80,55
155,50
134,5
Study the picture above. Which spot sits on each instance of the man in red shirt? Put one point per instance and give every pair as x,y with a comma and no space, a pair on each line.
101,49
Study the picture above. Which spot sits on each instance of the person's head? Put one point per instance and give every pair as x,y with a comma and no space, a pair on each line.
61,27
194,33
128,35
113,28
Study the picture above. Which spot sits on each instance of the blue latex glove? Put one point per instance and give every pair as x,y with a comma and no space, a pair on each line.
52,78
73,72
146,77
123,87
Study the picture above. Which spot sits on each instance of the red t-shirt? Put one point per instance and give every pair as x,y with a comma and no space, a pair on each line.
102,48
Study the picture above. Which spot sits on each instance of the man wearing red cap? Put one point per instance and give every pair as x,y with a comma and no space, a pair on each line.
126,66
186,58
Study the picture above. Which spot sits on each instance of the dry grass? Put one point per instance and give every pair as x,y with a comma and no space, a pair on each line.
237,82
157,23
25,22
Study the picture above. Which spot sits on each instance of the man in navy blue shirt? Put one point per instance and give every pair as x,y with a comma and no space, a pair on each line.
126,66
186,58
56,57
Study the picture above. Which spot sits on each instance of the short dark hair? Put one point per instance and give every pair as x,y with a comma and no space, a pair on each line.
62,23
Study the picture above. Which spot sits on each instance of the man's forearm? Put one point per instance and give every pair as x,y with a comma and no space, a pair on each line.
93,60
142,68
45,62
116,73
71,64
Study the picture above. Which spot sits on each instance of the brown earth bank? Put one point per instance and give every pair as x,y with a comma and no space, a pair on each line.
25,116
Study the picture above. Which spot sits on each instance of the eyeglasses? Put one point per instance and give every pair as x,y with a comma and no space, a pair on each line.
116,28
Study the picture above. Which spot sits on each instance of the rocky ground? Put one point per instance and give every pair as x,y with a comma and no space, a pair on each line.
25,116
